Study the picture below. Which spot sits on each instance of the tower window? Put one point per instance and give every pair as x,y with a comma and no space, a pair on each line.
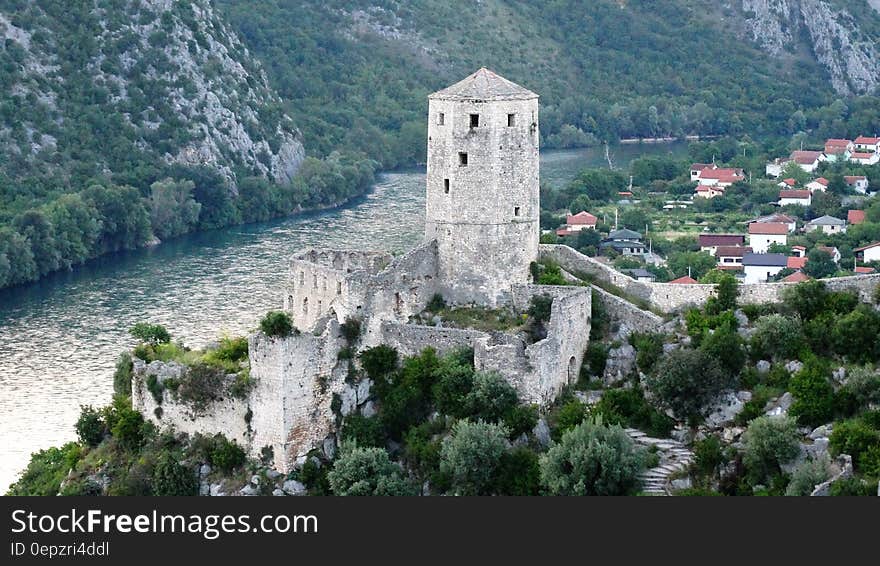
511,120
463,159
441,119
516,211
475,120
446,186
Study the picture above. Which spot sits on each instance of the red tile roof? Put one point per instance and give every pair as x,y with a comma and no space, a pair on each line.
851,179
684,281
712,240
822,181
732,251
867,141
865,270
796,277
581,218
796,262
768,228
795,194
790,182
861,155
835,146
778,217
806,157
721,174
855,216
700,166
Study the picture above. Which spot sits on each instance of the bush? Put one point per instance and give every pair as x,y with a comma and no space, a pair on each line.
768,443
201,385
596,358
379,361
807,299
90,427
46,470
686,380
225,455
593,459
777,337
855,335
122,375
807,476
491,398
518,473
855,438
628,407
708,457
853,487
567,416
726,346
231,350
422,452
471,455
814,401
128,427
521,419
367,471
172,478
351,330
863,387
366,432
436,304
454,383
649,348
152,334
278,324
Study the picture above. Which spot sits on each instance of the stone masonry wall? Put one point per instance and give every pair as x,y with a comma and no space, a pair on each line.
626,315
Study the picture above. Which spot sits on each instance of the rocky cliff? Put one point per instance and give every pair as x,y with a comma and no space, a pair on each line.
839,36
162,79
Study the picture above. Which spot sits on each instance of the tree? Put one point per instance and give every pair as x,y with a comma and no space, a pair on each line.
727,346
471,455
768,443
807,299
808,475
593,459
491,398
173,211
777,337
379,361
278,324
686,380
152,334
635,219
367,471
813,394
855,335
40,234
699,263
170,478
726,292
90,427
820,264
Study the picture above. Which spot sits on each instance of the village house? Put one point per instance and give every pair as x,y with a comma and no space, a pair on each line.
820,184
832,251
867,145
796,277
574,223
714,176
807,160
787,184
730,257
865,158
799,251
779,218
869,253
858,183
855,217
861,270
686,280
763,234
827,225
625,242
641,275
799,197
838,149
796,262
697,168
710,242
761,267
711,191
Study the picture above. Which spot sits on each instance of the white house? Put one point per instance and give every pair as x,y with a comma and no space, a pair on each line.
832,251
838,149
808,160
714,176
711,242
758,268
826,224
787,184
704,191
731,257
820,184
858,183
867,145
697,168
865,158
779,218
799,197
574,223
868,253
799,251
763,234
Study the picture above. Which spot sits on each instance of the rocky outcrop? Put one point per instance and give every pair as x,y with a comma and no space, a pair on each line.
834,35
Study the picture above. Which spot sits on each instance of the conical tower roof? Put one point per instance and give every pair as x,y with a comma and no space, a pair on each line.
484,85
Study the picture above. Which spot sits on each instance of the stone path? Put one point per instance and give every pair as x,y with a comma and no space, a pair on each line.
674,457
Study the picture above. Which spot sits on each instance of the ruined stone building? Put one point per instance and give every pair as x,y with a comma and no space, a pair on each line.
481,235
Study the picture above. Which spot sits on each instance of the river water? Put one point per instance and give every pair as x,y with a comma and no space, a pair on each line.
60,337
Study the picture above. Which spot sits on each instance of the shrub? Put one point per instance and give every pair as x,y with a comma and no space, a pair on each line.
853,437
122,375
539,314
201,385
807,299
491,398
686,380
596,358
230,349
362,431
593,459
454,383
521,420
436,304
90,427
278,324
813,394
351,330
754,407
314,476
172,478
708,457
152,334
471,455
853,487
405,400
155,388
518,473
649,348
422,451
628,407
225,455
768,443
726,346
128,427
566,417
863,387
46,470
379,361
808,475
777,337
855,335
367,471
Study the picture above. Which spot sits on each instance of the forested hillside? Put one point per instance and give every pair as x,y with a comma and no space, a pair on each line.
355,73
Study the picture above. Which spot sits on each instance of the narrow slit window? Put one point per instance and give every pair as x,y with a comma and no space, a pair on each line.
463,159
441,119
475,120
338,287
516,211
446,186
511,120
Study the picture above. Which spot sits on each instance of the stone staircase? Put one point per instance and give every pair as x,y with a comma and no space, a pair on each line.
674,457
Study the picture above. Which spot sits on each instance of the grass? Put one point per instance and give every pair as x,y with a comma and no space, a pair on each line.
487,320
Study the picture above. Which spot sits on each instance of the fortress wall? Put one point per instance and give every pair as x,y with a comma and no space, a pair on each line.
625,314
411,339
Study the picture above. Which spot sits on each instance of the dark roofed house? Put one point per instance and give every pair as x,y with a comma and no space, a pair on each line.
710,242
759,268
624,241
641,274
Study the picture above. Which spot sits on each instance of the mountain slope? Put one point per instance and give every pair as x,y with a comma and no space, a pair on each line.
90,87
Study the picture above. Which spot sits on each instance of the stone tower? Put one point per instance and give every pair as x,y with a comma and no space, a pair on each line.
483,186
